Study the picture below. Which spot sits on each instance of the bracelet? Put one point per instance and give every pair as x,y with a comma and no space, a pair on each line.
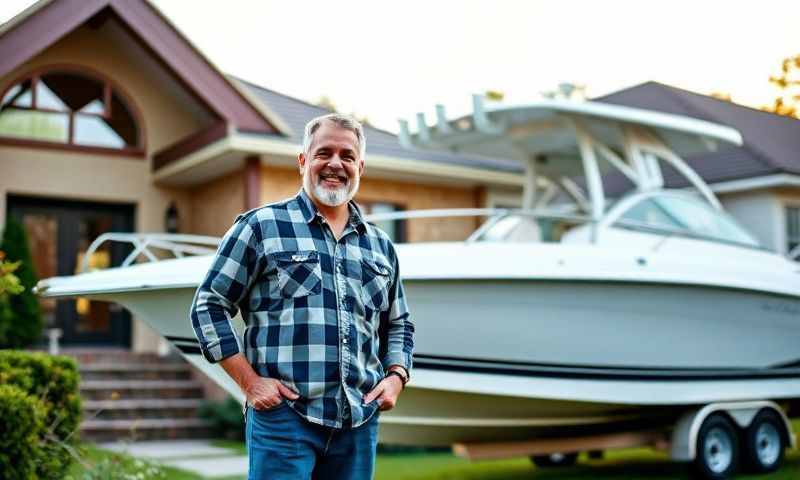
399,375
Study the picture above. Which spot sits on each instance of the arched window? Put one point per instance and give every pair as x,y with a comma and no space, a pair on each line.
69,108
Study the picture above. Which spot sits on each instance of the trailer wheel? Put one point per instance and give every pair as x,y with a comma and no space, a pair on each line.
717,449
555,460
764,443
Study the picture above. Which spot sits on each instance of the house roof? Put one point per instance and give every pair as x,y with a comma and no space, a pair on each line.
771,142
47,21
296,113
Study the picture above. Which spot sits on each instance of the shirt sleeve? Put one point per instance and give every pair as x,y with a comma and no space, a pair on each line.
399,329
233,270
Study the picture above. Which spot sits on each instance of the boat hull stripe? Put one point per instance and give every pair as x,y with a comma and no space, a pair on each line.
190,345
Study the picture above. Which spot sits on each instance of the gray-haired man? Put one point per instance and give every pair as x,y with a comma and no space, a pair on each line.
315,284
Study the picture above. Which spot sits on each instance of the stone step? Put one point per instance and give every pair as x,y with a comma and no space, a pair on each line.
141,408
135,371
117,355
144,429
129,389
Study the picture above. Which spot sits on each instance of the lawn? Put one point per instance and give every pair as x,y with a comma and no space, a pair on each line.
629,464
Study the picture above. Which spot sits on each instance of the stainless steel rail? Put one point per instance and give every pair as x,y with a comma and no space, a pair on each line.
144,244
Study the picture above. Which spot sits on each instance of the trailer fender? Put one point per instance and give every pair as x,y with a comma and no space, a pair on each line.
684,435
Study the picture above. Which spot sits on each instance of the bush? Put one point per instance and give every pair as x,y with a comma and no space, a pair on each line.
51,383
21,424
20,315
226,418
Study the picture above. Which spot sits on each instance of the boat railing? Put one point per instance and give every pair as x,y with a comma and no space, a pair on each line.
150,244
493,215
147,245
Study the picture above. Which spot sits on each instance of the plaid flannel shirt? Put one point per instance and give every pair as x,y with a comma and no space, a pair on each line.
312,307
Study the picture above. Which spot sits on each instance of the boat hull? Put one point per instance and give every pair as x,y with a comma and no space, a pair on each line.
519,359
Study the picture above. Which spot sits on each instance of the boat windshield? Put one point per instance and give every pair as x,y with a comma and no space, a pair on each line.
528,228
678,214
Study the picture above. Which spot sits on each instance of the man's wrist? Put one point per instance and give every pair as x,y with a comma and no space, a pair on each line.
395,373
402,371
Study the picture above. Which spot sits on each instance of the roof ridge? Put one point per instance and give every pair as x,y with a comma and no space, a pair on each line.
285,95
306,102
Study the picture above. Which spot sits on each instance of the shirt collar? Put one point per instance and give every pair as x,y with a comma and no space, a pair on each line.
310,211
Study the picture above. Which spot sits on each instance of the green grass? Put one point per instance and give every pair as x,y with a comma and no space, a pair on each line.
631,464
93,456
628,464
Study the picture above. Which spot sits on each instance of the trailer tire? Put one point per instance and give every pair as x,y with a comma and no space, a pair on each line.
717,455
764,443
555,460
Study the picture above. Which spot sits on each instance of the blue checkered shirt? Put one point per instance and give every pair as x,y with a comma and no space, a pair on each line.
325,317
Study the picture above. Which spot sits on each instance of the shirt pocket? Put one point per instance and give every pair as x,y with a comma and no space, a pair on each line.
299,273
376,277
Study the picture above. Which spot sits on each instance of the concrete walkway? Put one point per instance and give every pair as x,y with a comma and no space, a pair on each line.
196,456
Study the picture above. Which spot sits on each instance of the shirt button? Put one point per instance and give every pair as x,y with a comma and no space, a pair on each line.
344,340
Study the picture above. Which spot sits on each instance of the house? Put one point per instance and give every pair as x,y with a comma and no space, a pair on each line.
111,120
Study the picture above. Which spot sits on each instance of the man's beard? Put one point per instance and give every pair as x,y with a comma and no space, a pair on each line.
331,197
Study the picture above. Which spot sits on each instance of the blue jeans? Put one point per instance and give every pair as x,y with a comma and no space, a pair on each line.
283,445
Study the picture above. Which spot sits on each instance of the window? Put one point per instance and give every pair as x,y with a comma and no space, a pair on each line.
792,228
673,213
68,108
396,229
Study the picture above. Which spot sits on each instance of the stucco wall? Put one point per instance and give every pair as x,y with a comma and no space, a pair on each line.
216,203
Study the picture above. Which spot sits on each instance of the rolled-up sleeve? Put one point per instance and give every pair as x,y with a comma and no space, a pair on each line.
399,328
216,302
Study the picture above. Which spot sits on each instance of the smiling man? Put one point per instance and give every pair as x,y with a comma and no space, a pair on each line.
328,341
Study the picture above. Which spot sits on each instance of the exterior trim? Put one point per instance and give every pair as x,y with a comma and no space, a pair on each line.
189,145
252,182
46,23
273,146
139,150
137,153
754,183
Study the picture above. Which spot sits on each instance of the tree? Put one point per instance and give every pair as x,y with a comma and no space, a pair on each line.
20,315
327,103
788,84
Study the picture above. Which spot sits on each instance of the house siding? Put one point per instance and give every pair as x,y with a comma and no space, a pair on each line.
280,183
759,212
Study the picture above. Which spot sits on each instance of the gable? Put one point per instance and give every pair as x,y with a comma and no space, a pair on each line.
49,21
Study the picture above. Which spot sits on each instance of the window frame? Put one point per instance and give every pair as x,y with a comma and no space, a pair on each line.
400,225
787,207
109,87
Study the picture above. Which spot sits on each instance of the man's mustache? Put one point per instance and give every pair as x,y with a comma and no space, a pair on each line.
342,176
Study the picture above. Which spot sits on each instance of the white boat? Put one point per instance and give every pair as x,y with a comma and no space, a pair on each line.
572,314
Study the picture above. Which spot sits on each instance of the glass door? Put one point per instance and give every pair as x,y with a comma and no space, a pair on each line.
60,233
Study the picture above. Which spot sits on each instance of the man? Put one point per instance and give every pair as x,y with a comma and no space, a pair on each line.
315,284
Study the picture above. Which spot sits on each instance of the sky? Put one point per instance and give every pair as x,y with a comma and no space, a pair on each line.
389,60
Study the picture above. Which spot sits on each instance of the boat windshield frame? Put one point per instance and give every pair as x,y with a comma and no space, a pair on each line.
614,218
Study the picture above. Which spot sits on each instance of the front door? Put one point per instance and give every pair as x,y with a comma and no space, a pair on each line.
59,234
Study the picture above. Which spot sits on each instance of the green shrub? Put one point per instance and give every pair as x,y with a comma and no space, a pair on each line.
20,315
52,383
21,426
226,418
